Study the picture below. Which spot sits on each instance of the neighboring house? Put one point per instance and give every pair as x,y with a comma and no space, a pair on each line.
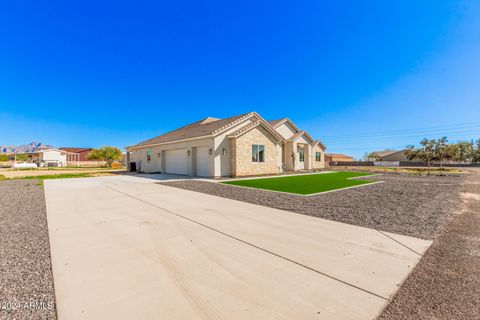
48,157
337,157
390,155
78,154
243,145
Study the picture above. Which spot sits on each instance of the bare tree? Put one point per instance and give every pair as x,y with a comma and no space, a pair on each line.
426,152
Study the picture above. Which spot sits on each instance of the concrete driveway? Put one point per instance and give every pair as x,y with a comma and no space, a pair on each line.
124,247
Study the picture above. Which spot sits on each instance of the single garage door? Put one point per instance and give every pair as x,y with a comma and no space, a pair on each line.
201,164
176,161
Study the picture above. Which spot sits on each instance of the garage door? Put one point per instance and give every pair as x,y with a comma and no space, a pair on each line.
202,162
176,161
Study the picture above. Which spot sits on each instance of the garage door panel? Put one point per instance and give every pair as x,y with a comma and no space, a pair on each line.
201,160
176,161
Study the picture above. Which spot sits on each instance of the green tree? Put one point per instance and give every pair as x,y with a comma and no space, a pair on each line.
373,156
426,152
464,151
21,157
3,157
475,157
440,149
107,154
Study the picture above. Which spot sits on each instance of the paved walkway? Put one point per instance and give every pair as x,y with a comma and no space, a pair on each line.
125,247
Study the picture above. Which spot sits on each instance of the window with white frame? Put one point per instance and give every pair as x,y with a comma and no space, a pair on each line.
258,153
301,155
318,156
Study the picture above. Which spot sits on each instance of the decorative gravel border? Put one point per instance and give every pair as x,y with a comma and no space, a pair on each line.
26,280
409,205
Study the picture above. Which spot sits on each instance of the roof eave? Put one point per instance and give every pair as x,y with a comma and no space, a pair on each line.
262,123
136,147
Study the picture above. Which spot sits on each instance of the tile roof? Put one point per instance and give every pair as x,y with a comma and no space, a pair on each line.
299,134
321,144
254,124
274,123
204,127
338,155
384,153
75,150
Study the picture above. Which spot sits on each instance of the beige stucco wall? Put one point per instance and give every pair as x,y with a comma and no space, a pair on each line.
318,164
222,162
286,130
55,156
242,164
156,164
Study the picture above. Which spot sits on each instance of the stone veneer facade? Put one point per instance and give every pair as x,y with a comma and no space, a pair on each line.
241,160
318,164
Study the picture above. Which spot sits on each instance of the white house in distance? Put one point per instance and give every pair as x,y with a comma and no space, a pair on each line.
49,157
242,145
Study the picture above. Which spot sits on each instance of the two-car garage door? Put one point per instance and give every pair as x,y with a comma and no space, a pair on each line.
176,161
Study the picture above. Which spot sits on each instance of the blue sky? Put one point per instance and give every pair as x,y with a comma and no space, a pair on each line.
359,75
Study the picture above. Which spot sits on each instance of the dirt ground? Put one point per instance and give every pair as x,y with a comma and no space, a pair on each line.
11,173
446,282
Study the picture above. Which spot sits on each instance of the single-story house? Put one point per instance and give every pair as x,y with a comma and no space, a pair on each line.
78,154
44,157
242,145
338,157
390,155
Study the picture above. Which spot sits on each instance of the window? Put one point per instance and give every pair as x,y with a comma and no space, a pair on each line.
318,156
149,155
301,155
258,153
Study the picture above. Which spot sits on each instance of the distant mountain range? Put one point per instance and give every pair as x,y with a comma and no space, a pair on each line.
24,148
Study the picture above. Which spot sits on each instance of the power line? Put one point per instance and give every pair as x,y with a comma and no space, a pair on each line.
373,145
417,135
400,131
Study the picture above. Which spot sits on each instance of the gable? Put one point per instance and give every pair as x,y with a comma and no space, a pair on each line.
286,130
258,135
260,124
302,139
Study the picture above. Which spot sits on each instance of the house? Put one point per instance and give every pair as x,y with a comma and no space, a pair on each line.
242,145
78,154
338,157
390,155
43,157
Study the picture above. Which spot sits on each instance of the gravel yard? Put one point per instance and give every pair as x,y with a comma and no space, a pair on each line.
444,285
409,205
446,282
26,282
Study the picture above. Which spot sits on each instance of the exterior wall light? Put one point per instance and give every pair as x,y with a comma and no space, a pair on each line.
188,153
210,151
224,151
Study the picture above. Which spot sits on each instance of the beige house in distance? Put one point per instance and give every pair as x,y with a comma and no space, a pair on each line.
243,145
391,155
338,157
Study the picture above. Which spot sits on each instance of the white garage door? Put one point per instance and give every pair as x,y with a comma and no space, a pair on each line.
176,161
202,162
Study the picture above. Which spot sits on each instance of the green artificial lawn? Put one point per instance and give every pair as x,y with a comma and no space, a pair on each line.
305,184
